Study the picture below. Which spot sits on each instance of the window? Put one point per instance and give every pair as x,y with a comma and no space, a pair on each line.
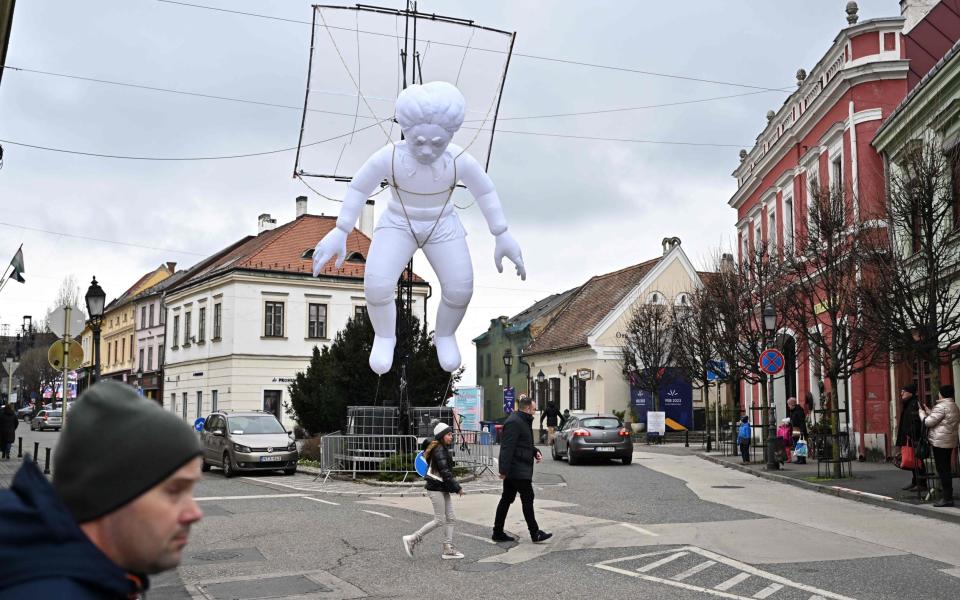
757,235
317,321
186,328
202,324
787,222
199,404
273,324
578,393
359,312
176,331
540,394
217,312
271,402
109,348
159,356
143,317
772,230
213,400
183,409
173,402
123,349
151,315
954,157
836,174
554,391
813,190
141,363
150,358
131,346
116,355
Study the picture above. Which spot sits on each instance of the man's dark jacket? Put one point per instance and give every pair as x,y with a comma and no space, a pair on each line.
910,426
517,451
43,553
442,464
8,426
552,414
798,419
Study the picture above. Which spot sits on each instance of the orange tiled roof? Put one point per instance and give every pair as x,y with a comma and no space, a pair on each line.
589,305
281,250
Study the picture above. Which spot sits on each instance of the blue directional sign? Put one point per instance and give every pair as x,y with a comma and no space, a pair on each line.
508,400
716,369
771,361
420,464
198,424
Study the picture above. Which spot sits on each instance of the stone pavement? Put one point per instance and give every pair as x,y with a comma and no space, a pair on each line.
874,483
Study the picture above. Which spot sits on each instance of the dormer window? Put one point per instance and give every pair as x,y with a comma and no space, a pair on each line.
356,257
307,254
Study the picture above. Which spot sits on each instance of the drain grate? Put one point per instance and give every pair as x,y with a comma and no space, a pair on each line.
261,588
727,487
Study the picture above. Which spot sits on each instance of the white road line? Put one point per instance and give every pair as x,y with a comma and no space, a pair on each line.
476,537
768,591
694,570
379,514
262,480
639,529
676,584
726,585
321,500
661,562
252,497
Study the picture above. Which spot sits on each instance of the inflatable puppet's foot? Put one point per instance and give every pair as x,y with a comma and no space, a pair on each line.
448,353
381,355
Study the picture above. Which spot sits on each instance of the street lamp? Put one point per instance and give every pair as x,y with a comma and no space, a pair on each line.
508,363
95,298
769,327
540,379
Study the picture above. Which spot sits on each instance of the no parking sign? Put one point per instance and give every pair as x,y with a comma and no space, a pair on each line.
771,361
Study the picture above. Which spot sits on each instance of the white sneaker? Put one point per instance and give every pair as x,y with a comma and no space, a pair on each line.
409,543
450,552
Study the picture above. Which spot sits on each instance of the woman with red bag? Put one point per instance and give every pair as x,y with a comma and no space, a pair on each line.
908,434
942,422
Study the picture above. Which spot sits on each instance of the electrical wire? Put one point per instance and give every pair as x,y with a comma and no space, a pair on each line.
101,240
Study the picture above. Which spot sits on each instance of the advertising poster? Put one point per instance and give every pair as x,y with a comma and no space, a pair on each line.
676,400
468,405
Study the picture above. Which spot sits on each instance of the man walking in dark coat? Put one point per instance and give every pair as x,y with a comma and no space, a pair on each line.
909,430
517,455
8,425
553,417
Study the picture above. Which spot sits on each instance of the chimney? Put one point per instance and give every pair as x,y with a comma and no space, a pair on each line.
914,11
669,243
726,263
301,206
366,219
265,223
172,267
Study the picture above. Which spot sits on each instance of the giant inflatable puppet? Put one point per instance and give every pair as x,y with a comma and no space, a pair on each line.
422,171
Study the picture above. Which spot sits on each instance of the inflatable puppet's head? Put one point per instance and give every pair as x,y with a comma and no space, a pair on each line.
429,115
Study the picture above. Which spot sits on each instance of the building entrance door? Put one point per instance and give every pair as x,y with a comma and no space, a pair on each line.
271,402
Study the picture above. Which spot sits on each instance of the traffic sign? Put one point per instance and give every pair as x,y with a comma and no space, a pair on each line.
198,424
56,321
71,359
771,361
420,464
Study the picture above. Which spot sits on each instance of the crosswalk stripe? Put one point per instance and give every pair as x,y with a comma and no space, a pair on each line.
661,562
476,537
726,585
694,570
321,500
768,591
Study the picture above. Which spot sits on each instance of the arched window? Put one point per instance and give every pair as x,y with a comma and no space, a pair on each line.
656,298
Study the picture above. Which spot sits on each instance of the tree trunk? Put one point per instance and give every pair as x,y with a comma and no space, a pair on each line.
835,425
706,410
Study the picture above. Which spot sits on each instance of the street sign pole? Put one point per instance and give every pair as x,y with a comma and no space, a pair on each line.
66,363
11,366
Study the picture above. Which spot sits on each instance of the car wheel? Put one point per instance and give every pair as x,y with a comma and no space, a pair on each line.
553,452
33,427
290,471
227,466
571,459
627,460
204,466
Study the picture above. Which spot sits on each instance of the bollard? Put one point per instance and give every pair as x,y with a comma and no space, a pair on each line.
36,451
46,462
20,447
686,438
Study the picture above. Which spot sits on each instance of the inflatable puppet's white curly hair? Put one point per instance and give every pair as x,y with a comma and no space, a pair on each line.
437,102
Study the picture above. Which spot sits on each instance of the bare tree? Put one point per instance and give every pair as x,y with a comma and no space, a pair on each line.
827,284
917,305
694,327
36,373
647,348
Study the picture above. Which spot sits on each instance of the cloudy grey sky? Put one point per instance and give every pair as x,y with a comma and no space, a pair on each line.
578,207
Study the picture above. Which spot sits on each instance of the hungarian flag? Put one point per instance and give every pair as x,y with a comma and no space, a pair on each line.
17,264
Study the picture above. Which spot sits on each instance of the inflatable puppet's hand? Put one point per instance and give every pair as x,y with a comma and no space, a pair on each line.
332,244
507,246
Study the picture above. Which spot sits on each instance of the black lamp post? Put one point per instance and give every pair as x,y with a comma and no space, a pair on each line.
769,327
95,298
508,363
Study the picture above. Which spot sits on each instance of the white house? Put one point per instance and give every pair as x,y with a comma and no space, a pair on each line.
241,323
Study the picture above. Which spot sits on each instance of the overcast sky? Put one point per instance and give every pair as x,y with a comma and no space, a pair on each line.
577,207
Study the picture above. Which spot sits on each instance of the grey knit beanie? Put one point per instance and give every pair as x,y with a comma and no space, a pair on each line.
115,446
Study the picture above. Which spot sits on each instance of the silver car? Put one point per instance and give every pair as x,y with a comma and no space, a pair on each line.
47,419
247,441
593,436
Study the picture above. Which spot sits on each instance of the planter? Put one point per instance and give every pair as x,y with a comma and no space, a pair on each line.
638,427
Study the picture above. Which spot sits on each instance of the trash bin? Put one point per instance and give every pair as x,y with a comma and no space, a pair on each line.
498,428
485,438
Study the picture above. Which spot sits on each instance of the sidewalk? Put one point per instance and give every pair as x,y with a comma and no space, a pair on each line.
879,484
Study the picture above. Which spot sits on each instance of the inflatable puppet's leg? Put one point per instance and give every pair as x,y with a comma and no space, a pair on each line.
390,251
451,261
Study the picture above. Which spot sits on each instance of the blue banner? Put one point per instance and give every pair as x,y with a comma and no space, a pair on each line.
676,399
508,400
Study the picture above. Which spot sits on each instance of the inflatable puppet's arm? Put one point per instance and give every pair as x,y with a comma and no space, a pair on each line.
334,244
483,190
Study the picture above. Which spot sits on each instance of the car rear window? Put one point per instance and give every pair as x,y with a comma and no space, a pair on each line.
53,413
600,423
254,424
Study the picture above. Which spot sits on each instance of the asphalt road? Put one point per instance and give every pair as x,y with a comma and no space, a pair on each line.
670,525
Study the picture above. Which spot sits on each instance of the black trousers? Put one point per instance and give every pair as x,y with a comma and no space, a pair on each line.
942,456
511,487
745,451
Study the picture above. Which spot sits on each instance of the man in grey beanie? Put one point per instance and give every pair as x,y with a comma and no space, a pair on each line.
120,507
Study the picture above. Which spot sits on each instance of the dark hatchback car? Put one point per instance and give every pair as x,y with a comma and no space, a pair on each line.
593,436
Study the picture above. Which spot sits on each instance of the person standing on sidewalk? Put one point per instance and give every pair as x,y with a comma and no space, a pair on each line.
908,433
440,484
553,417
120,507
517,455
743,439
798,425
942,422
8,425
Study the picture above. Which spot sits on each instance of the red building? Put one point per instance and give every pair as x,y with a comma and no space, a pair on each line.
822,135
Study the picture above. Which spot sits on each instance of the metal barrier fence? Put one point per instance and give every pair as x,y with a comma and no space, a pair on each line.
392,456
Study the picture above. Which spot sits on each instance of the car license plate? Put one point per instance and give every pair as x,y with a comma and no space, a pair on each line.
602,449
271,458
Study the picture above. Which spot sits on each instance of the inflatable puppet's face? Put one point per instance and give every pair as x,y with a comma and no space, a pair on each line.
427,141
